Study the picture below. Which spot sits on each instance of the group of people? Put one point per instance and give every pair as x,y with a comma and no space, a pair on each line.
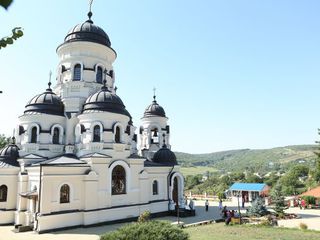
228,214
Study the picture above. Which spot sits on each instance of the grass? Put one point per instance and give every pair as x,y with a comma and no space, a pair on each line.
221,231
196,170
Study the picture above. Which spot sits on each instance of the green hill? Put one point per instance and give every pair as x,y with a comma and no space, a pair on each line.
260,160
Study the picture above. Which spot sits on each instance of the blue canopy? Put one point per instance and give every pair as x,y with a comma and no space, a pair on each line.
254,187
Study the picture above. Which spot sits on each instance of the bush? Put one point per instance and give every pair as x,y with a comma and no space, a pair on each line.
309,199
303,226
149,230
145,216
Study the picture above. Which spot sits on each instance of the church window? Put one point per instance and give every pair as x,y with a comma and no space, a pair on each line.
56,136
65,193
77,72
3,193
99,75
33,135
154,136
155,187
118,180
117,136
96,134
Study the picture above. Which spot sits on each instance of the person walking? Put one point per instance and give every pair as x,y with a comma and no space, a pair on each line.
220,203
207,205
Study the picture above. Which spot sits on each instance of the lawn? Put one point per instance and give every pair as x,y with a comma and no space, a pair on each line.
196,170
221,231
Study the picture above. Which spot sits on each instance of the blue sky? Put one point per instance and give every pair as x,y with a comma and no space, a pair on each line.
230,74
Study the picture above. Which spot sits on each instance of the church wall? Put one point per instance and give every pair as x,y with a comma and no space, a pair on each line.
9,177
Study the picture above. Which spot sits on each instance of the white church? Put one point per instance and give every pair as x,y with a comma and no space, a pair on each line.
75,159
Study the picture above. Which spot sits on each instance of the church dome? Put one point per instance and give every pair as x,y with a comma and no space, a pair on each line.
47,102
154,110
165,156
9,155
88,32
106,101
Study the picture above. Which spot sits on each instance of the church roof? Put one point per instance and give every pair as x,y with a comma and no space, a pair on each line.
165,156
9,155
89,32
66,159
47,102
154,110
106,101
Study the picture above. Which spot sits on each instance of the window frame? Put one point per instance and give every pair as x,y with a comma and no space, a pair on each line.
64,197
3,193
77,74
155,187
121,178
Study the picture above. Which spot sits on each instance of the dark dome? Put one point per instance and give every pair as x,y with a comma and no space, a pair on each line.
9,155
154,110
105,101
165,156
89,32
47,102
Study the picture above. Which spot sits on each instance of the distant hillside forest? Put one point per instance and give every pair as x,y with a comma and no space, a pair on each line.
293,169
261,160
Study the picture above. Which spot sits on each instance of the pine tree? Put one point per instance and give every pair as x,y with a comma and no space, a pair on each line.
258,208
278,200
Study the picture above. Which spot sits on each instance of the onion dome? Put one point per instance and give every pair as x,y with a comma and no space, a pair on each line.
47,102
105,101
165,156
88,32
154,110
9,154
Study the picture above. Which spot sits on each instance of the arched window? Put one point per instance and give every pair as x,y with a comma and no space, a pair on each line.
154,135
96,134
65,193
3,193
117,138
56,136
34,134
155,187
77,72
99,75
118,180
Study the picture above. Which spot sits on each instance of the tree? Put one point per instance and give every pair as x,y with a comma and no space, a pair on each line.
3,140
15,33
155,230
257,208
278,199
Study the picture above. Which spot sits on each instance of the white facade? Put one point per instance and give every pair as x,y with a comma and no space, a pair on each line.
78,162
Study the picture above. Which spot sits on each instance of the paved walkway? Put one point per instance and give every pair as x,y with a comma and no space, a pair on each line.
310,217
93,233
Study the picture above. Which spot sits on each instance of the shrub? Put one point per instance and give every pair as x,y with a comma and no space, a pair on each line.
145,216
303,226
155,230
309,199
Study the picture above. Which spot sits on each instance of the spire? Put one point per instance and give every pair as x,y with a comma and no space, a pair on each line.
49,83
105,87
90,12
13,139
154,95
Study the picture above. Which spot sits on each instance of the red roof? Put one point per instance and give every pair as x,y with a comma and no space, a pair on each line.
315,192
